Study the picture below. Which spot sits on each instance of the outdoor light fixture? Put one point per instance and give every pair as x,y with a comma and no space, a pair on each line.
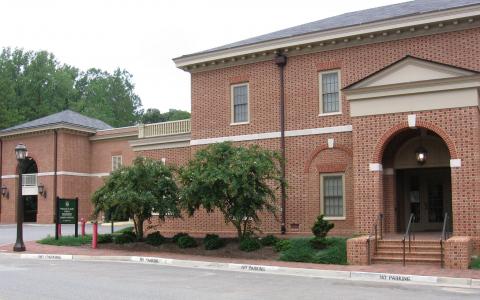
41,190
4,191
421,155
21,154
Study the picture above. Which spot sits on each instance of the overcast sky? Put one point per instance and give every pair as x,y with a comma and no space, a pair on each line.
143,36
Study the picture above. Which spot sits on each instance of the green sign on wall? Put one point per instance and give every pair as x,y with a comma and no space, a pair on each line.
67,211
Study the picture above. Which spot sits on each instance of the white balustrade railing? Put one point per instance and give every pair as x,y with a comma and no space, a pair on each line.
164,128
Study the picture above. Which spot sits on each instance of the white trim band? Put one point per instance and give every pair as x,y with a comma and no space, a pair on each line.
272,135
375,167
64,173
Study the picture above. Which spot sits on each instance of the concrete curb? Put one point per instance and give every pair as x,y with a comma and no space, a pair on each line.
276,270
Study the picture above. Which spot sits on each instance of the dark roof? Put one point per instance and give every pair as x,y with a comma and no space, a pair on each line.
66,117
353,18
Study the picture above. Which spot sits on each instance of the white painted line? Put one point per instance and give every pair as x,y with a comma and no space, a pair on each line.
151,260
393,277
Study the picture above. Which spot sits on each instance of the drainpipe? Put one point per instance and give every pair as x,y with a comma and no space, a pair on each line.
1,167
55,145
281,61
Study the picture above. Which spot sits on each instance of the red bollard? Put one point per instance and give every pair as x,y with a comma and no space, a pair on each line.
95,235
59,229
82,220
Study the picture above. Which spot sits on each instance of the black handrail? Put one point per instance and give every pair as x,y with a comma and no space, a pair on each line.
375,229
408,233
443,238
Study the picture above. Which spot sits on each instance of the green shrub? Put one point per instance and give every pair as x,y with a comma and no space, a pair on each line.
269,240
321,227
475,264
178,235
66,240
319,243
105,238
155,239
126,229
213,241
250,244
282,245
124,238
301,250
186,241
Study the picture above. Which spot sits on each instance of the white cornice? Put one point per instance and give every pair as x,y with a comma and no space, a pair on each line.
245,52
24,131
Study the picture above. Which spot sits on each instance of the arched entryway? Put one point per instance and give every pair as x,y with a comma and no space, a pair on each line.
417,180
30,190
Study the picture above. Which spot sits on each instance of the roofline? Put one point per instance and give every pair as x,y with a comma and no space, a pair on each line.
52,126
114,128
361,29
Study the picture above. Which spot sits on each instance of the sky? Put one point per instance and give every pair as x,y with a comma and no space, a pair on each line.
142,36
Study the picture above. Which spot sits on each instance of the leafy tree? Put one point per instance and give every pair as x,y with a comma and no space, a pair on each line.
176,114
145,187
153,115
238,181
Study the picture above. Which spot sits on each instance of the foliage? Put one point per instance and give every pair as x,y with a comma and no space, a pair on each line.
250,244
124,238
186,241
269,240
104,238
300,250
475,264
282,245
145,187
319,243
66,240
155,239
153,115
238,181
126,229
321,227
213,241
36,84
178,235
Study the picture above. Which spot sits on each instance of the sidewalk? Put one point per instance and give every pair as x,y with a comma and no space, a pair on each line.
445,276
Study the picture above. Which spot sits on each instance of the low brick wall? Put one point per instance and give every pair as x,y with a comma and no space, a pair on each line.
357,250
458,251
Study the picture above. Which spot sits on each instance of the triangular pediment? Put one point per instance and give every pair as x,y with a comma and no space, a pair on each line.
411,69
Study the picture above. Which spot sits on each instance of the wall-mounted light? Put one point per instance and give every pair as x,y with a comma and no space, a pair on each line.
4,191
41,190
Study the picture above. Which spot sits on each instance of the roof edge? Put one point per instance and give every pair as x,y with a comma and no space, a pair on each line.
58,125
366,28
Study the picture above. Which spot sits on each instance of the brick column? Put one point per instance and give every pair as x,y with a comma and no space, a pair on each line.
457,252
357,250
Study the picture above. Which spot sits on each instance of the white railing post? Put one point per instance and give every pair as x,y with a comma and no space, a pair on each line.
164,128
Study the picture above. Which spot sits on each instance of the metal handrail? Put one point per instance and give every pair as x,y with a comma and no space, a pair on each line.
443,238
408,233
375,229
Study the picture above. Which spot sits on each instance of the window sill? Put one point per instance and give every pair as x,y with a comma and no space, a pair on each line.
335,218
330,114
240,123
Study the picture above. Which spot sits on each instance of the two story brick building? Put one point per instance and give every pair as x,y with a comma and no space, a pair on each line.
377,112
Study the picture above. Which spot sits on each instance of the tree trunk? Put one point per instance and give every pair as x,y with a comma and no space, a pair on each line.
139,228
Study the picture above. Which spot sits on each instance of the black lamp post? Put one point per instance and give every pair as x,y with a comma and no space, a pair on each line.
21,154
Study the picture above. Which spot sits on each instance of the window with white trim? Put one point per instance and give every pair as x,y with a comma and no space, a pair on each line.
333,195
116,162
240,109
329,86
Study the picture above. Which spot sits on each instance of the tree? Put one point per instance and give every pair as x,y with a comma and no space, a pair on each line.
176,114
138,191
240,182
153,115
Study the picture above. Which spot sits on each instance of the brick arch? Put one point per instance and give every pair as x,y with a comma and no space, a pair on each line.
319,149
393,131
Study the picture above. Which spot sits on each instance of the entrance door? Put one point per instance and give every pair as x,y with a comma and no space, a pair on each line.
427,194
30,208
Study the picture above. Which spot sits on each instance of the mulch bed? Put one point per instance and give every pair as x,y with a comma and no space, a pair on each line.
230,250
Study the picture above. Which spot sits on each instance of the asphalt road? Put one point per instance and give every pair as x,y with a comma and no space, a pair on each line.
33,279
33,232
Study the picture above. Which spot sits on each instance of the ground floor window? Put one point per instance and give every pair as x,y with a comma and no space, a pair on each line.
332,193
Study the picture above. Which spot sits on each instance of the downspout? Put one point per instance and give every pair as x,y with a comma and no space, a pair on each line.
55,146
1,173
281,61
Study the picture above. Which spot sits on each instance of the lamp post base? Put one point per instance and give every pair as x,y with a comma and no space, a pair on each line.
19,247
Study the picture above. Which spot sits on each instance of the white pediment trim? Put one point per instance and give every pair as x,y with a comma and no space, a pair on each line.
409,70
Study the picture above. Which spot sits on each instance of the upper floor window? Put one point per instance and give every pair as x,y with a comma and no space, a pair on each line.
240,109
330,92
116,162
332,194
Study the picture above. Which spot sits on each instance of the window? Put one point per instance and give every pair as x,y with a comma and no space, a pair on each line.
332,194
116,162
240,109
330,92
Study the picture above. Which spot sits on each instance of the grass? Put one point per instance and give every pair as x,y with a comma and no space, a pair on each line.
475,264
301,251
67,240
126,229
